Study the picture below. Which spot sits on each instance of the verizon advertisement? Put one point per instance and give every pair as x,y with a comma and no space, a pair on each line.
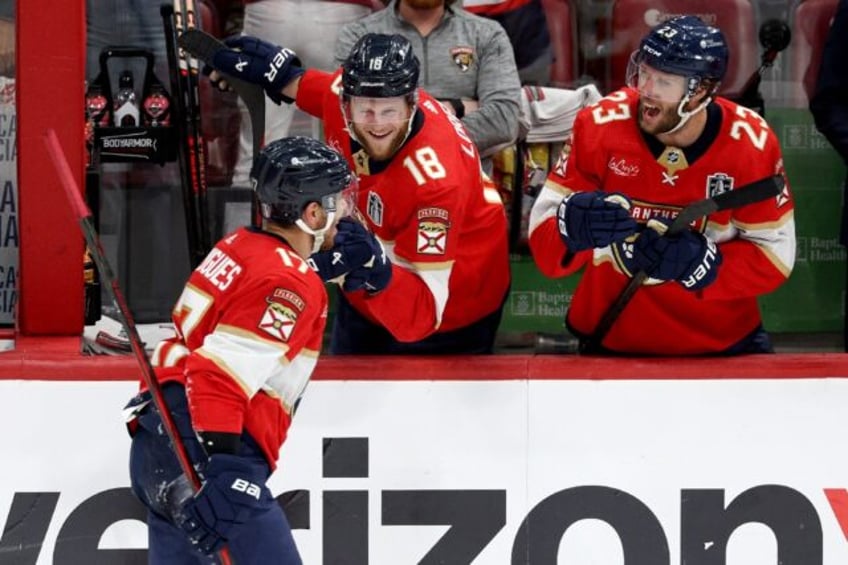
734,472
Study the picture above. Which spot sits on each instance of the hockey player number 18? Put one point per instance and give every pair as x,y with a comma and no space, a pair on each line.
427,161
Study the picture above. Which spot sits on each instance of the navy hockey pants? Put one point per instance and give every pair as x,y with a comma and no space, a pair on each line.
153,465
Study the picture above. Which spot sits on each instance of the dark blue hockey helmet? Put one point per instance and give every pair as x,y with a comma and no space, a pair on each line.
380,66
686,46
290,173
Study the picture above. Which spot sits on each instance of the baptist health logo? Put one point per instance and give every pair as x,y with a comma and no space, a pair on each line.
803,136
539,303
819,250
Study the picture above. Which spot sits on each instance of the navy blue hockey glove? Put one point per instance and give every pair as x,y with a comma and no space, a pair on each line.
259,62
594,219
232,493
353,246
374,276
687,257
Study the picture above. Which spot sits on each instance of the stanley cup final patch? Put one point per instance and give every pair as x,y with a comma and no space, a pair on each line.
433,225
718,183
463,57
374,208
281,314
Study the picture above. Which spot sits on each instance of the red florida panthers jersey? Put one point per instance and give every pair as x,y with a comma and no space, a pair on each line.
249,327
441,221
608,152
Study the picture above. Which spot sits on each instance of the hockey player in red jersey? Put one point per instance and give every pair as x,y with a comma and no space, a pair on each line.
421,192
634,160
249,325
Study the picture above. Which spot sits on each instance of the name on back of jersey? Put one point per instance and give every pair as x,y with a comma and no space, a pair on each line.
219,269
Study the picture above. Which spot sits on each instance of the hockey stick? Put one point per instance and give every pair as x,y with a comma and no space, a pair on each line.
197,148
107,276
179,111
204,47
742,196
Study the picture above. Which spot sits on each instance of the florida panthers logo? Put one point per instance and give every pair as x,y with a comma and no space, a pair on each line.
463,57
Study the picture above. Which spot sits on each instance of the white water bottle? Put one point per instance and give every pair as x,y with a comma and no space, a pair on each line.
126,102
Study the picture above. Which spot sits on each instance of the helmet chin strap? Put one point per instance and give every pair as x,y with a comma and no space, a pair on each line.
684,115
318,235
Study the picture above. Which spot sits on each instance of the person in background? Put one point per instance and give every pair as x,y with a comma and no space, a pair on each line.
527,28
829,106
467,63
250,324
634,160
310,28
442,282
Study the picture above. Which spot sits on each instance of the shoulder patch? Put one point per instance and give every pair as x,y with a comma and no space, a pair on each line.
433,225
280,316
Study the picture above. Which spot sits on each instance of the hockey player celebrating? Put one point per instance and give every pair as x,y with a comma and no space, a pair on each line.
249,323
443,283
634,160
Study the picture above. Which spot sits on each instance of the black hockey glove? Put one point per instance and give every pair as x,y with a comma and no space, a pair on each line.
259,62
374,276
232,493
594,219
353,246
688,257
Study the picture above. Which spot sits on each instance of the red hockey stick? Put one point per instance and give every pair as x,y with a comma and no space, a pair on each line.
107,276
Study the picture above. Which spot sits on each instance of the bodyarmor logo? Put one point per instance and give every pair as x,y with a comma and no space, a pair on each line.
718,183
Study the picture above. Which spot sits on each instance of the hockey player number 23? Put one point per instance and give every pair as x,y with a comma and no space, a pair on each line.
603,114
427,163
757,139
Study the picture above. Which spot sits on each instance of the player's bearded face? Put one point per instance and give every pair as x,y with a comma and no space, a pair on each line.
659,97
380,124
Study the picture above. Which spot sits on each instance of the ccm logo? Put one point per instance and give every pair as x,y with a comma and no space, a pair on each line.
246,487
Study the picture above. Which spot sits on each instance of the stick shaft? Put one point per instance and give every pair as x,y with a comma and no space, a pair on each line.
107,276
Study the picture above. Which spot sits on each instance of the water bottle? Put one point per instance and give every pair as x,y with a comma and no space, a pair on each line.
157,107
126,102
96,106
